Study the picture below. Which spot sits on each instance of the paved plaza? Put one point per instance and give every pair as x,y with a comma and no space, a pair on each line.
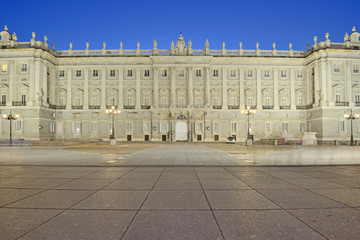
179,191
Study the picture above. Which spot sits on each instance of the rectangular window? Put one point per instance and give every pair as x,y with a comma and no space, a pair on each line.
309,126
112,73
181,73
163,73
283,73
23,79
342,126
129,127
77,127
357,97
267,127
60,128
24,68
93,127
356,69
146,127
249,73
61,73
285,127
23,99
337,96
129,73
78,73
302,127
52,127
163,127
147,73
234,127
232,73
4,68
299,74
216,73
266,73
18,126
199,127
336,68
215,127
95,73
198,73
3,99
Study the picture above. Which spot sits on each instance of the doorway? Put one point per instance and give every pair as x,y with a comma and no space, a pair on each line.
181,131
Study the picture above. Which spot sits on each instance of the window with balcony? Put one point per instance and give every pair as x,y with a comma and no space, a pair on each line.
336,68
61,73
283,73
337,96
356,69
181,73
357,97
147,73
215,73
24,67
95,73
78,73
198,73
164,73
266,73
232,73
112,73
299,74
249,73
129,73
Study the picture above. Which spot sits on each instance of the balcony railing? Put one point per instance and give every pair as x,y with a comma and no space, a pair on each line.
145,106
129,107
357,104
342,104
57,106
304,107
76,107
284,107
19,103
233,107
110,106
94,106
217,106
267,107
2,103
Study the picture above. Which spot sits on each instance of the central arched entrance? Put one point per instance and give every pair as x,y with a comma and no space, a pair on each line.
181,129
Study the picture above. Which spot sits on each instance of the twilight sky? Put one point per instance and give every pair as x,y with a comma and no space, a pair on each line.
229,21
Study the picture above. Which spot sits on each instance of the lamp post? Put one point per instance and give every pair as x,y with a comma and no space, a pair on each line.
248,111
112,111
351,117
10,118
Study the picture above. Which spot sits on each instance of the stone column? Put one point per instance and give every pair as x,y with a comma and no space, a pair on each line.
258,89
348,84
276,89
103,88
292,90
241,89
121,88
86,89
12,83
224,90
138,89
190,88
207,87
329,84
172,87
68,89
52,86
31,101
156,87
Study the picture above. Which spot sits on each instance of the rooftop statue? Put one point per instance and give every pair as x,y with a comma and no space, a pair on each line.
180,48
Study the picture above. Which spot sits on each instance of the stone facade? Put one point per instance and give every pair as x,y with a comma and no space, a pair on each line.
179,94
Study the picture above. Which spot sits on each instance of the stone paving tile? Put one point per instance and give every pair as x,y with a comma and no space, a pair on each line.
117,169
90,224
209,169
16,222
175,200
13,182
312,183
113,199
148,169
243,175
223,183
175,225
348,181
52,199
85,184
10,195
286,174
178,169
348,196
71,174
337,223
299,198
238,199
177,183
174,175
322,174
263,224
215,175
242,169
145,174
268,183
39,183
105,175
132,184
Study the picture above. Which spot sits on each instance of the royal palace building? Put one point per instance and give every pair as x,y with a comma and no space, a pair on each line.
179,94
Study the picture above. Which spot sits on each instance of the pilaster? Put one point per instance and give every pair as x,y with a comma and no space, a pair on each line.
190,88
12,83
348,84
224,90
172,87
292,89
138,89
156,87
31,101
323,83
241,89
258,89
43,90
329,84
86,89
276,89
68,89
121,88
207,87
103,89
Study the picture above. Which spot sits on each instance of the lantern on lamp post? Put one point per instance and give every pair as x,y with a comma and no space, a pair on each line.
113,112
11,117
248,111
351,117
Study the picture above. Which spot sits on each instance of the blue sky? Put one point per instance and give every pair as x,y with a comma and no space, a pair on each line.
230,21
